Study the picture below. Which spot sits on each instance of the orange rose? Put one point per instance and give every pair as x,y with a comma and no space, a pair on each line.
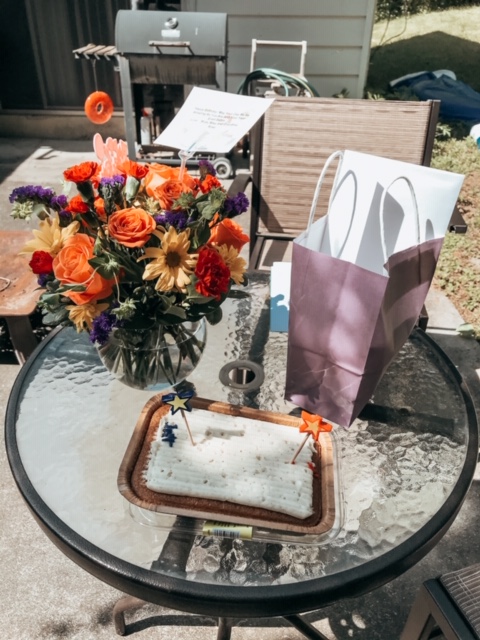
134,169
131,227
230,233
167,192
71,267
159,173
81,172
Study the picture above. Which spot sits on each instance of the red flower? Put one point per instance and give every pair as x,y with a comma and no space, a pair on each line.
212,273
208,183
81,172
77,205
41,262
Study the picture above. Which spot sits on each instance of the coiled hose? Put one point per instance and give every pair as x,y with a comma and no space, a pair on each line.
286,80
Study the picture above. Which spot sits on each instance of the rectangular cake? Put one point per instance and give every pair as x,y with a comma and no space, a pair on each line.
238,469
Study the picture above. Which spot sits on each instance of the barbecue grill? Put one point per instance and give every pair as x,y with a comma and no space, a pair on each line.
159,54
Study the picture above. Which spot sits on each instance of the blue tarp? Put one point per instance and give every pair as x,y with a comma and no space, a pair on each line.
458,100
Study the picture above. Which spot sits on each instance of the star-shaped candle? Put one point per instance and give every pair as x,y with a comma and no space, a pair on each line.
180,402
313,426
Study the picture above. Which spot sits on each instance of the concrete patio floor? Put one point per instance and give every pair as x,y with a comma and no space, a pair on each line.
46,597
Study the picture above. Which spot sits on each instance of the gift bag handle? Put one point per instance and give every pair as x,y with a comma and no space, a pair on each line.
333,193
382,211
313,208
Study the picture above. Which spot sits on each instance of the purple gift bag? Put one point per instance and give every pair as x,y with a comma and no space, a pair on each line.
359,279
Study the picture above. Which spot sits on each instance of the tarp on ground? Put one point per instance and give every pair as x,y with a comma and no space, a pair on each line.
458,100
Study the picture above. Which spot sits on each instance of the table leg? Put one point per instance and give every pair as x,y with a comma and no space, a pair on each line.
177,547
305,628
174,556
127,603
224,629
22,337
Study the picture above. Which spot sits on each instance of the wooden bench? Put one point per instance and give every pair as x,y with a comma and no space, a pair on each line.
19,292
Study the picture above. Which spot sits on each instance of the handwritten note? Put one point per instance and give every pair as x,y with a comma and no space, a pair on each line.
212,121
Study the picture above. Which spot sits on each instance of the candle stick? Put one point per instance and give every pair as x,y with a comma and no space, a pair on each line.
184,156
188,426
300,448
313,425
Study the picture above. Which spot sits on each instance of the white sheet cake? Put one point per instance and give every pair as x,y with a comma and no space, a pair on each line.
234,459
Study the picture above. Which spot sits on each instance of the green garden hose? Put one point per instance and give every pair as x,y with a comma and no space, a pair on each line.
285,79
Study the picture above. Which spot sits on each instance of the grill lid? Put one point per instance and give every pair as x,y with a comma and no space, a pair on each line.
182,33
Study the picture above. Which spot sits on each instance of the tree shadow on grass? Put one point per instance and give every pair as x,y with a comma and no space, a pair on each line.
429,52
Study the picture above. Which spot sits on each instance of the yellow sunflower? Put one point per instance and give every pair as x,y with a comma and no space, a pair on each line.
50,237
234,262
83,314
170,262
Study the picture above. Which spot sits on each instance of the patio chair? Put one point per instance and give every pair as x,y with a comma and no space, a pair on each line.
450,603
291,143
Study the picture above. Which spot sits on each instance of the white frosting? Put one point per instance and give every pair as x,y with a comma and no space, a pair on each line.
234,459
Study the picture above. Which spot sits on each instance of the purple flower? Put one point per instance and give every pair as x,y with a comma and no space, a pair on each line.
236,205
32,192
43,279
102,326
206,167
115,181
177,219
59,202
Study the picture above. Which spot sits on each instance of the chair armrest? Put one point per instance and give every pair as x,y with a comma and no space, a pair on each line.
457,224
239,184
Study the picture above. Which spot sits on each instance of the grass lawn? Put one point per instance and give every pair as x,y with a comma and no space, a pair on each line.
428,42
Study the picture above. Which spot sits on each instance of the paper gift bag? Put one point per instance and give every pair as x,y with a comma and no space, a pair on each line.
360,276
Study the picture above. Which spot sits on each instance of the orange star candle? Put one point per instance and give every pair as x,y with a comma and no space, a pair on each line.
313,426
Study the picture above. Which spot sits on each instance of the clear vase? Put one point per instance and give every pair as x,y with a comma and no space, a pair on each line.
156,359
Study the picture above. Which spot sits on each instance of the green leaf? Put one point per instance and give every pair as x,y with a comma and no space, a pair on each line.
51,299
200,235
217,198
175,315
73,287
194,296
106,267
208,211
55,317
199,299
215,316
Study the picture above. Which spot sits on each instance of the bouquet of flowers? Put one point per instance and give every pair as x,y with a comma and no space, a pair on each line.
138,247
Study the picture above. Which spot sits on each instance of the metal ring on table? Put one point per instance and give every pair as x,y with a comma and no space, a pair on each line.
242,374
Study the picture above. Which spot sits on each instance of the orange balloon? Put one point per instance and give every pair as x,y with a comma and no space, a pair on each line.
99,107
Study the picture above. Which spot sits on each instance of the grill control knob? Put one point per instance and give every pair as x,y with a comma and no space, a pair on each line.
171,23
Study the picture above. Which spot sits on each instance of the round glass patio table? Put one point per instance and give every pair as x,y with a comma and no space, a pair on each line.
402,471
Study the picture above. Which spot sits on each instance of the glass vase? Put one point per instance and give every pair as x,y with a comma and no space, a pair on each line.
154,359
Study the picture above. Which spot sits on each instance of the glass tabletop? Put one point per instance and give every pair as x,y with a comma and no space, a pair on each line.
401,470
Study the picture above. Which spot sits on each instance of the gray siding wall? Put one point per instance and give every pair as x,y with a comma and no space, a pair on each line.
338,35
